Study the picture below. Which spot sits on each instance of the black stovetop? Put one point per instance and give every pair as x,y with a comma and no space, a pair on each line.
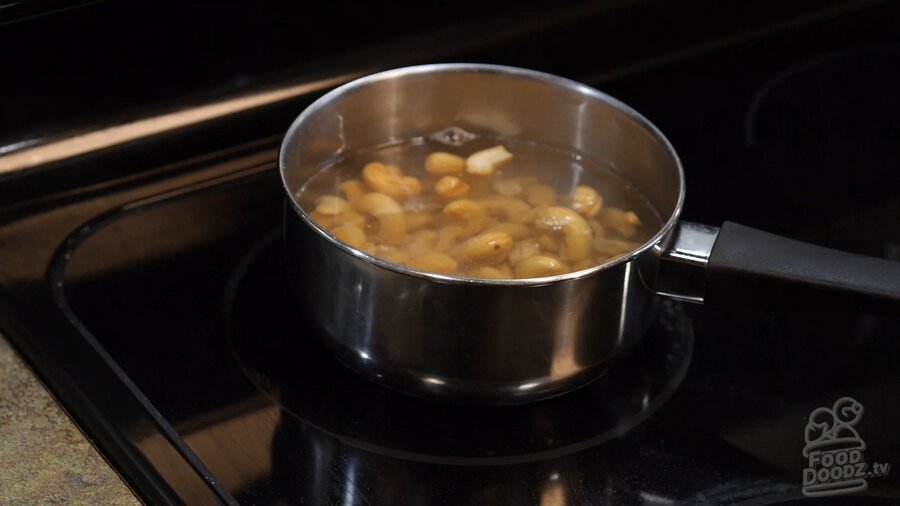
155,307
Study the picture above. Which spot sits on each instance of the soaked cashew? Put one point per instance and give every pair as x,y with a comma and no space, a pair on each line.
489,272
541,195
419,220
350,234
391,228
388,180
451,187
470,212
391,254
487,161
577,233
507,187
459,223
379,204
524,249
424,237
597,228
433,262
586,201
328,222
587,263
388,213
486,247
329,204
548,243
419,242
490,221
421,204
527,181
614,247
447,237
353,190
515,230
511,208
538,266
624,223
369,247
444,163
351,217
514,186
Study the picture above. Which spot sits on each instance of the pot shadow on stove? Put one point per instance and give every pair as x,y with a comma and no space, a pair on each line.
341,436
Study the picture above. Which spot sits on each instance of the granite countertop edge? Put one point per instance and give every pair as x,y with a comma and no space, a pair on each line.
44,457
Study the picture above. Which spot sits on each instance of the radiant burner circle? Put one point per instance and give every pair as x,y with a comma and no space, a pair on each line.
279,352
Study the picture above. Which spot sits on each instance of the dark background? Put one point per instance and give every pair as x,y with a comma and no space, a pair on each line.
72,64
791,163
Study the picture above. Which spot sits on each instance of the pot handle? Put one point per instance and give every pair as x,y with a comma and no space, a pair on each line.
747,268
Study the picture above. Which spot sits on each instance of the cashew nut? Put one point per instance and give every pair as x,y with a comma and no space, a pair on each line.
486,161
587,263
506,228
538,267
446,237
433,262
391,254
597,228
485,247
586,201
514,186
451,187
444,163
328,221
470,212
353,189
578,235
614,247
516,230
491,272
331,205
541,195
388,180
511,208
419,220
624,223
421,242
388,213
350,234
548,243
379,204
524,249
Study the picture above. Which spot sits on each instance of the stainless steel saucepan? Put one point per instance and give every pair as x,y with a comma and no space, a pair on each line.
519,340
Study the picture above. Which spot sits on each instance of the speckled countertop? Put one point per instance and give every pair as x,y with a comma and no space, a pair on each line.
44,458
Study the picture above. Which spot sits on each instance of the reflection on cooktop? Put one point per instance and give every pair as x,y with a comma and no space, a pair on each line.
279,353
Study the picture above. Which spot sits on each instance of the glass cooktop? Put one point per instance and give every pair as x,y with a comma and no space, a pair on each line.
711,407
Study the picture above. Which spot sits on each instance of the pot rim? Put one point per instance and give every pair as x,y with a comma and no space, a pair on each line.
544,77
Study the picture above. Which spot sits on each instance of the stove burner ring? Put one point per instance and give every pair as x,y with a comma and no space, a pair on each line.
832,93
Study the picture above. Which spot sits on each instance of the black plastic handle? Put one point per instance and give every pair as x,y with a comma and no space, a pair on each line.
758,270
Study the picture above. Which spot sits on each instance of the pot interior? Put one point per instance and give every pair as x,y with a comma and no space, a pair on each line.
448,103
